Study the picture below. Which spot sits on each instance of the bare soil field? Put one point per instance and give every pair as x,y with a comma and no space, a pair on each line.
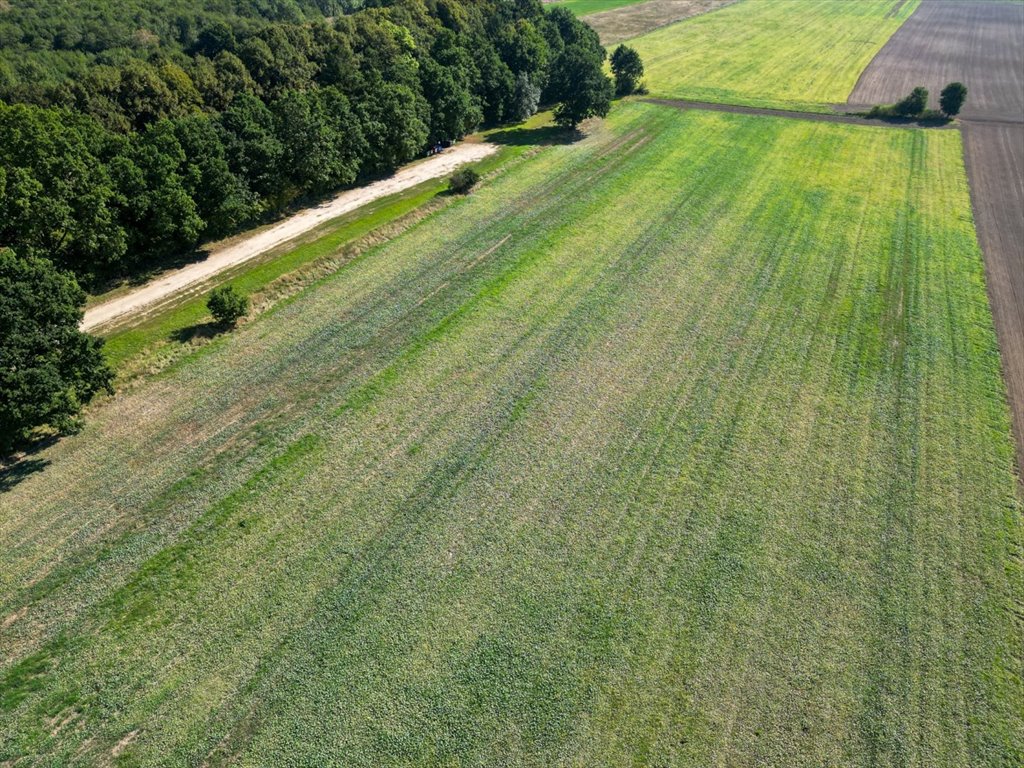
978,42
994,153
620,24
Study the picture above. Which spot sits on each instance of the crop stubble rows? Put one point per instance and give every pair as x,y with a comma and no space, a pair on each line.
532,485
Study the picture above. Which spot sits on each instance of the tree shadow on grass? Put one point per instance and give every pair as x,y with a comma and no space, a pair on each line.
154,267
535,137
12,474
928,119
199,331
20,467
923,122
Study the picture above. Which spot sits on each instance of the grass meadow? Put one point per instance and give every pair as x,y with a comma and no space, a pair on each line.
795,54
683,445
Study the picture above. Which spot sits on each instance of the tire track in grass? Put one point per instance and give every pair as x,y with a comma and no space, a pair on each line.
645,461
778,324
600,503
671,745
939,582
745,673
288,362
741,410
890,692
617,526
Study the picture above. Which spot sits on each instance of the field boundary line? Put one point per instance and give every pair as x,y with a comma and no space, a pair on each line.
892,13
847,118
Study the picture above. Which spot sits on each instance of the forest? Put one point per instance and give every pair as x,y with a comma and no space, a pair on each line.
115,156
130,132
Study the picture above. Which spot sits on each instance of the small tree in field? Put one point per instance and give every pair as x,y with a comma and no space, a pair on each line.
227,304
952,98
462,181
914,104
628,69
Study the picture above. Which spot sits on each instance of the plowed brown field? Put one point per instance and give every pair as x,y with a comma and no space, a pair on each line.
981,44
994,153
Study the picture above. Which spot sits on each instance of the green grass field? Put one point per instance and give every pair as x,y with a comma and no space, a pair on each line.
796,54
586,7
684,445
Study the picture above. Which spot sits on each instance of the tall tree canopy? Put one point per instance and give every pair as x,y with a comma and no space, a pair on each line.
952,98
133,132
627,68
48,368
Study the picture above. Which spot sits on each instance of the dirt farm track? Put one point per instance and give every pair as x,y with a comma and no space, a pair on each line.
981,44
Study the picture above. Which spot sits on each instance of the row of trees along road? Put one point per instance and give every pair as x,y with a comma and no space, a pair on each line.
123,144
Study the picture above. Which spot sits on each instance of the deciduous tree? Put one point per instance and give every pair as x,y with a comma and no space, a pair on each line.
57,198
627,69
227,304
952,98
914,104
48,368
580,87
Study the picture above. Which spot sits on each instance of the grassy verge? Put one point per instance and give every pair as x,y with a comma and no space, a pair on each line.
788,54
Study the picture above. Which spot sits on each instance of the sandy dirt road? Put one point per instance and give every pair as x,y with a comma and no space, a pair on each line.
981,44
172,284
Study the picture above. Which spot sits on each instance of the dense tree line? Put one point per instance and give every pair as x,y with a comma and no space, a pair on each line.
145,152
133,130
68,34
